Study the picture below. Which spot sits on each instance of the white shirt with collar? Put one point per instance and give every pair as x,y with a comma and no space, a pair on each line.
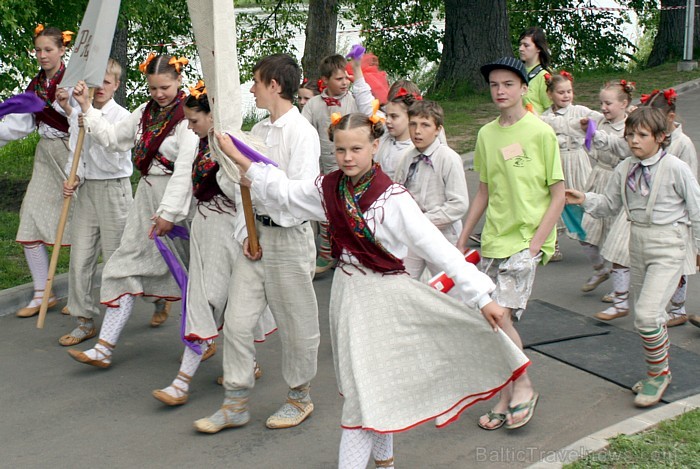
441,189
678,200
293,144
96,162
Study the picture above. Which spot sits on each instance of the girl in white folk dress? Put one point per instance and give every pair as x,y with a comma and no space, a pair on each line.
379,325
213,252
43,200
164,149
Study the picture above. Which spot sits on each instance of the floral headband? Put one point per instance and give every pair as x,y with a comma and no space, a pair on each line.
198,90
563,73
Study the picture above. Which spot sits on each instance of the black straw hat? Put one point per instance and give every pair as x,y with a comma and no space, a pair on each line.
506,63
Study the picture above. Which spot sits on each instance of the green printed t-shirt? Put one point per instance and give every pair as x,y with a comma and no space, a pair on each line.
518,163
537,92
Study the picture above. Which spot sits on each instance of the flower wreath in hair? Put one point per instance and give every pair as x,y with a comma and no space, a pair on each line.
198,90
66,36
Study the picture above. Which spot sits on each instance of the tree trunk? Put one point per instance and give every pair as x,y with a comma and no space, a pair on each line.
669,39
321,29
476,32
119,54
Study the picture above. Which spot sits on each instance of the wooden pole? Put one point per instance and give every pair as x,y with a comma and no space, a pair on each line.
61,226
253,244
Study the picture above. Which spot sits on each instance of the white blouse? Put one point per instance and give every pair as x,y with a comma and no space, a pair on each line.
394,218
180,146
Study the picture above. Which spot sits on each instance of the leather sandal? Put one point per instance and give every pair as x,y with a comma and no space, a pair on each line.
83,332
378,463
529,406
616,310
500,418
160,315
169,399
301,410
29,311
104,362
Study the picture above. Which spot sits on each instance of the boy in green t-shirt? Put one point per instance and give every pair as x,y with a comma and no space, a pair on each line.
522,192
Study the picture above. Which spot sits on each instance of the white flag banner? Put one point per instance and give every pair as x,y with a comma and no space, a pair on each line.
88,60
214,26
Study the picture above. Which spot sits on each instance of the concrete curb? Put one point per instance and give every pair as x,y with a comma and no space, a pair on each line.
12,299
598,441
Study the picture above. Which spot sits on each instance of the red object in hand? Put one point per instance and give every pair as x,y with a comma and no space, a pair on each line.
443,283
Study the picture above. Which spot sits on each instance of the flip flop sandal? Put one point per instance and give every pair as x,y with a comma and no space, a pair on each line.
493,416
529,406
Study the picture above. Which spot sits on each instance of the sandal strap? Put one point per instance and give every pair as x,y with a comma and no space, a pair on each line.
297,404
184,377
384,463
104,343
495,415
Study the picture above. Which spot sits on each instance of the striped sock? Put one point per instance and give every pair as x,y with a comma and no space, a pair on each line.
656,345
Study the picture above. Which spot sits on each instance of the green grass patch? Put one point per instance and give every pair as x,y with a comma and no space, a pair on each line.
674,443
464,115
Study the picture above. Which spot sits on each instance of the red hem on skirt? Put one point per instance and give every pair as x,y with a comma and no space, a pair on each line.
486,395
111,303
196,338
40,241
266,334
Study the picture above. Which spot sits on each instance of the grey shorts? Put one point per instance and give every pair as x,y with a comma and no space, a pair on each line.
513,277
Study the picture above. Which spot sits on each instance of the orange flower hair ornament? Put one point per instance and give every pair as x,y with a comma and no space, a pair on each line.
321,86
144,64
67,37
547,77
335,118
567,75
377,115
38,30
178,63
198,90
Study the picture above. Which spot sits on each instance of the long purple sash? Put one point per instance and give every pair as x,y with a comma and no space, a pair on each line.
180,277
24,103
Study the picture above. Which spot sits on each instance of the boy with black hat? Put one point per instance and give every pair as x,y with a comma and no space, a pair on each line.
522,192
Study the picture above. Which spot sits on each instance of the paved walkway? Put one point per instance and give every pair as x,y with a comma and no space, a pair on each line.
56,412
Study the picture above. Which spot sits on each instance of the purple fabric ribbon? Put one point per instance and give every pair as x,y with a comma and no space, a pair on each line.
25,103
180,277
590,132
356,52
250,153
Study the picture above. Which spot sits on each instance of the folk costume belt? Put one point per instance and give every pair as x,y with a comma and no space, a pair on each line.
267,221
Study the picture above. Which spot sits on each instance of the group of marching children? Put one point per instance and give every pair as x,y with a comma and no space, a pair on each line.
390,197
642,209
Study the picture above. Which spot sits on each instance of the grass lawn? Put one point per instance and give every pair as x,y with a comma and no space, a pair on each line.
674,443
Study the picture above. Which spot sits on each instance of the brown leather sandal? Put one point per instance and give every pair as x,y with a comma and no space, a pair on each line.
171,400
104,362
